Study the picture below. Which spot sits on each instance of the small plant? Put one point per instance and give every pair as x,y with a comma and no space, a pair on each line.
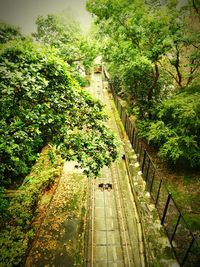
52,156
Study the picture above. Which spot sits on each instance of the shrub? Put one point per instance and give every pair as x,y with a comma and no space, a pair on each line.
175,128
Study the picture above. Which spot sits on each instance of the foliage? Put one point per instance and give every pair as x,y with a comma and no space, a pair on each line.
8,33
94,145
64,33
13,245
54,28
152,51
175,128
16,232
157,47
3,205
41,102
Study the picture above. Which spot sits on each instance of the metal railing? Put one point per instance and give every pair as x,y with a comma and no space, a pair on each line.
182,240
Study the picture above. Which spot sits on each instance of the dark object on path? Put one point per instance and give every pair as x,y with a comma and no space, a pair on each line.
98,69
107,186
123,157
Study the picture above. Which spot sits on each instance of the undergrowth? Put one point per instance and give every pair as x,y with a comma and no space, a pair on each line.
16,224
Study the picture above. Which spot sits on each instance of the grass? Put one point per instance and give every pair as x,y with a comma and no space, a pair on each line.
186,194
184,184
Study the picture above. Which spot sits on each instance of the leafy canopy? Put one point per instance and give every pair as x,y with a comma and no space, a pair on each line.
148,47
8,32
40,103
63,32
152,52
175,128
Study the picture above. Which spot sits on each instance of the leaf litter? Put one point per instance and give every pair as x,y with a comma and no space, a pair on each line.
59,241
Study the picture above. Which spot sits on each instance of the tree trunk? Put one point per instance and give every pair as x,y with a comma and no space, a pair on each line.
155,79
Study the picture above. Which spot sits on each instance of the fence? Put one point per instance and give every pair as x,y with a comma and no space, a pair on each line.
183,242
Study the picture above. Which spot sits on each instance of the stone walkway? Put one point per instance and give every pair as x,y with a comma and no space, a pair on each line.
114,236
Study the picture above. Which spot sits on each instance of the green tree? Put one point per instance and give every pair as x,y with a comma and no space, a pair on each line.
40,103
151,50
8,32
175,128
63,32
148,47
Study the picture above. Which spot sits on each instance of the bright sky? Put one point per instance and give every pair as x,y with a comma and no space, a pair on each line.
23,13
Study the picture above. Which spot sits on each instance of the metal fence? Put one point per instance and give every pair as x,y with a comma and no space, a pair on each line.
182,240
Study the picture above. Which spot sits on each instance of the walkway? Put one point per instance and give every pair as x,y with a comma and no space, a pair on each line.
114,234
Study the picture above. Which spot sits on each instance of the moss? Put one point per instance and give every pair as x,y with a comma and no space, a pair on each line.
18,230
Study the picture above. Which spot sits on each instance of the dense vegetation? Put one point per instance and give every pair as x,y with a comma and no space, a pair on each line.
152,53
174,127
42,103
64,33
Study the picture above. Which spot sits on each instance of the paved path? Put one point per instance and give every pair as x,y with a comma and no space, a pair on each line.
114,234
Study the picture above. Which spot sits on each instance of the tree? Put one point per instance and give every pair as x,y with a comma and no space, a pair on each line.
64,33
152,35
175,128
40,103
152,52
8,32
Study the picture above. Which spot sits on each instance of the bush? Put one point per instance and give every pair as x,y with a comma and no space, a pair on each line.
175,128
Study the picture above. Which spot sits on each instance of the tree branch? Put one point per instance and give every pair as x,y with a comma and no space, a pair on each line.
173,76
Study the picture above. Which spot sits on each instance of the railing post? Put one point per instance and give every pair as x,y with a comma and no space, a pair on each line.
137,145
147,170
166,207
125,122
128,128
140,152
135,142
188,250
121,111
152,180
123,117
145,153
177,223
158,194
132,137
